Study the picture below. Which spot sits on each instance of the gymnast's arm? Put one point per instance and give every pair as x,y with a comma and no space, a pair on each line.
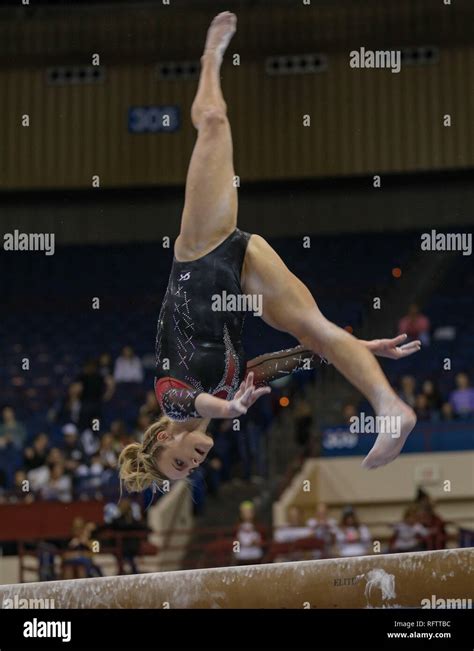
183,404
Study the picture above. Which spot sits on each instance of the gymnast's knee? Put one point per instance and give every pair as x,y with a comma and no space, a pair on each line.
211,119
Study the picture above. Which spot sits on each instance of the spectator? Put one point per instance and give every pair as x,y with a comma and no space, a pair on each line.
251,446
353,539
292,532
430,390
72,450
436,537
410,533
80,552
150,408
212,473
349,411
247,535
324,529
462,398
416,325
119,431
11,431
38,478
105,365
422,409
128,367
58,486
447,413
91,478
224,443
129,519
71,409
294,529
407,390
90,441
55,455
105,368
143,423
108,453
21,488
93,393
35,455
3,484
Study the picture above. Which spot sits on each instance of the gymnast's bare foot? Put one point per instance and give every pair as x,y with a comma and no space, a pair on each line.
401,420
220,32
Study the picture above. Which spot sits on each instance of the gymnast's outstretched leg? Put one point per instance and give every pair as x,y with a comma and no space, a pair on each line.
289,306
210,207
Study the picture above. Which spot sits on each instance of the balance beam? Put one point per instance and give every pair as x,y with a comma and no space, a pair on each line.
393,580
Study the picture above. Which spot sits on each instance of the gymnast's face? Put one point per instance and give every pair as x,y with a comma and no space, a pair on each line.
180,454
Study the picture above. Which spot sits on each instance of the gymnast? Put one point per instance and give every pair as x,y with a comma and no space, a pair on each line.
201,368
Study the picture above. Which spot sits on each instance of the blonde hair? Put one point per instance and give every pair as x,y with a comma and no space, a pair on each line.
138,468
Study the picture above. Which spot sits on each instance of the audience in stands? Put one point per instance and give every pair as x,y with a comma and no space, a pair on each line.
3,484
128,367
109,451
352,538
143,423
291,532
70,409
58,485
294,529
21,489
349,411
35,456
78,560
105,368
408,390
416,325
428,402
462,398
38,477
94,392
436,536
105,365
150,407
72,449
323,528
55,455
433,396
128,518
11,431
422,409
248,537
447,413
409,535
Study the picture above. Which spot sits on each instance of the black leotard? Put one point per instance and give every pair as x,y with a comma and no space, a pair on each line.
199,349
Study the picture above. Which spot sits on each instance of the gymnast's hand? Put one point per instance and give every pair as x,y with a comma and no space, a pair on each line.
393,348
209,406
245,397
